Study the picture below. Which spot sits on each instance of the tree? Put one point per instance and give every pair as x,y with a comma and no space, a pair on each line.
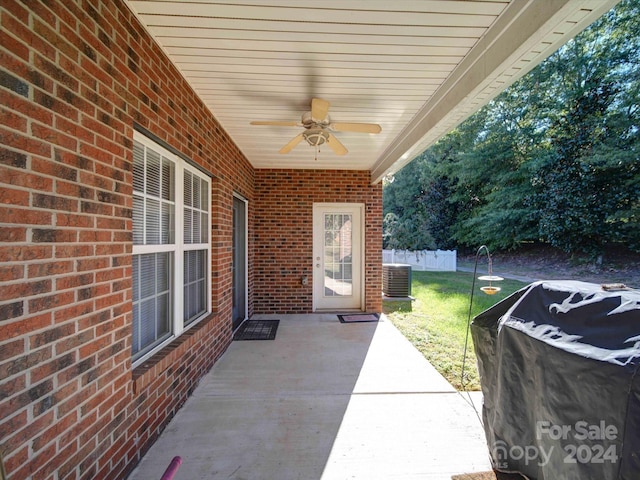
586,179
553,158
405,224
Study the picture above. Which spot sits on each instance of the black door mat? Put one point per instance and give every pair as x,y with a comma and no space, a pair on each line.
257,330
359,317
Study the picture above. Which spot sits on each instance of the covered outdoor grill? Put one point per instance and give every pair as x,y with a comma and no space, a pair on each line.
559,362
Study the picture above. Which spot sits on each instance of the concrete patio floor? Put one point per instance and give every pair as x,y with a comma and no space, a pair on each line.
324,400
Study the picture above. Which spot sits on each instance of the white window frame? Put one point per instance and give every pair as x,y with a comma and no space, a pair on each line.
178,247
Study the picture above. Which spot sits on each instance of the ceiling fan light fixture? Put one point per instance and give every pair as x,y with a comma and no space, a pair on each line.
315,137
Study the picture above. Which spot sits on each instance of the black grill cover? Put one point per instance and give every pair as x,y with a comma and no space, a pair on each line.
558,364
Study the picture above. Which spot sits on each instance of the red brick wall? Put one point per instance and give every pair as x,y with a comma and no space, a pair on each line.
283,216
75,77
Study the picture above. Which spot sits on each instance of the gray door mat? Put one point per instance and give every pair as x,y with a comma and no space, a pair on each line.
359,317
257,330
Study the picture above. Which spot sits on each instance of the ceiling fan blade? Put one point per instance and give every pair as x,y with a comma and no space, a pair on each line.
319,109
278,124
336,145
289,146
356,127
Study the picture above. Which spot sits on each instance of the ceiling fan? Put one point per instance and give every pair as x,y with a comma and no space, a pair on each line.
318,128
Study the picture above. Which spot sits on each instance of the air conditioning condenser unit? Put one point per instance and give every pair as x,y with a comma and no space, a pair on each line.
396,280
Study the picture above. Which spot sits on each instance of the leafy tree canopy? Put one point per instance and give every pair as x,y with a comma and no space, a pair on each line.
554,158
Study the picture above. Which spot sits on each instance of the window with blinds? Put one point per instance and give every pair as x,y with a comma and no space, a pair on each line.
171,252
196,239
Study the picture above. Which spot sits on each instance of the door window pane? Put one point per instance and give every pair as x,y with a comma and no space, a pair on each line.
338,279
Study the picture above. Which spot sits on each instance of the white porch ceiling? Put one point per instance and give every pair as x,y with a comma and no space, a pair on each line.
416,67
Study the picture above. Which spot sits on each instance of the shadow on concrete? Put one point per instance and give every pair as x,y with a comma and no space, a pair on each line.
324,400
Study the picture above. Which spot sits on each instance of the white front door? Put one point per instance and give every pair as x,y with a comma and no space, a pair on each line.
337,256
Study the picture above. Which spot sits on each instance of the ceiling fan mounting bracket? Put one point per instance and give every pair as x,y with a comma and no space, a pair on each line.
309,122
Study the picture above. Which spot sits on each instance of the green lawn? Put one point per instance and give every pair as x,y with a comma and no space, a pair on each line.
436,321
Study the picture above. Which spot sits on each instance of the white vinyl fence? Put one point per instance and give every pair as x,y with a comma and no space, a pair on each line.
438,260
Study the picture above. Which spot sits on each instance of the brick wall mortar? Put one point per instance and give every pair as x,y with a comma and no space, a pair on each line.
284,203
75,78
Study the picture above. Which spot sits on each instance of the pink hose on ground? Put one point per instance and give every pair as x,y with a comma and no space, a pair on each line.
172,468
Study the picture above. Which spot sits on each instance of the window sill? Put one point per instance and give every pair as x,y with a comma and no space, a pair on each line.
166,357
